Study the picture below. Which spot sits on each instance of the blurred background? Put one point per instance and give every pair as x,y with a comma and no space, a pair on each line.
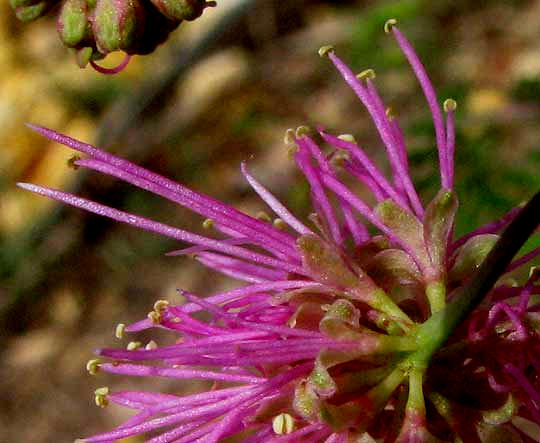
222,89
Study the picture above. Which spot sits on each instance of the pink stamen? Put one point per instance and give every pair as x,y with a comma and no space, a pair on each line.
111,71
431,98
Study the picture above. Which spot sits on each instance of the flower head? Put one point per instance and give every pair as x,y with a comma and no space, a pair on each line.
353,327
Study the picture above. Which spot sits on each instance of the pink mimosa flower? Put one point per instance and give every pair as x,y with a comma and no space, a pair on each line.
328,340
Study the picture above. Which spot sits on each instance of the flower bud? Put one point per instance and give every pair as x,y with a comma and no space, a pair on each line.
182,9
28,10
117,24
73,25
85,54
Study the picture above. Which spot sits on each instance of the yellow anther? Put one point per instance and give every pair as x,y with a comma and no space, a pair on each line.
366,74
291,151
119,331
101,400
71,162
102,391
280,224
93,366
283,423
160,305
325,50
151,345
154,317
390,23
390,113
347,138
534,272
133,345
289,137
261,215
302,130
449,105
208,223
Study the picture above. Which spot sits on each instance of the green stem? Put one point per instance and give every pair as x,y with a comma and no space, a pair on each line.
415,402
436,295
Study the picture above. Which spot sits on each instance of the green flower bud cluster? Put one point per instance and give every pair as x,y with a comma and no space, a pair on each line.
93,28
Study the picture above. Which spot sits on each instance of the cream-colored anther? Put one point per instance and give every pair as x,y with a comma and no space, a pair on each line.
151,345
93,366
390,23
291,151
302,130
133,345
283,424
154,317
119,331
449,105
208,223
390,113
101,397
261,215
280,224
160,305
534,271
288,139
366,74
347,138
325,50
102,391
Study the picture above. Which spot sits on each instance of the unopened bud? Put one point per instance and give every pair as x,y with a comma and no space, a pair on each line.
117,24
84,55
72,24
26,11
182,9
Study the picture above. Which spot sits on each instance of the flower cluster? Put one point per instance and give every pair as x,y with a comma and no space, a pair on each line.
93,28
342,333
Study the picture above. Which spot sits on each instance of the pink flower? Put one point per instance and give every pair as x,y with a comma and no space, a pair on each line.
339,335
